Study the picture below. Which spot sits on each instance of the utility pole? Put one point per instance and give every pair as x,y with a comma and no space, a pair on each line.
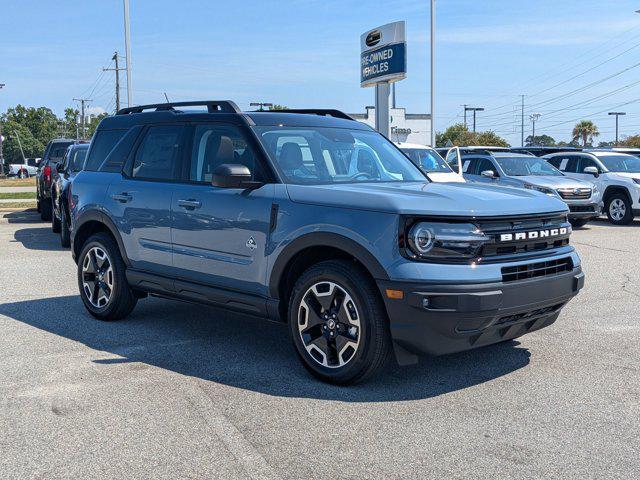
117,70
82,101
522,122
1,154
474,110
433,73
617,114
127,44
534,118
465,115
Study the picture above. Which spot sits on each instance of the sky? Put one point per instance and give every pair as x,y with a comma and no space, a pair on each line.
571,59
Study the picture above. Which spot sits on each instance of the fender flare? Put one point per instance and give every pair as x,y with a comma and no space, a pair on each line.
616,188
98,216
323,239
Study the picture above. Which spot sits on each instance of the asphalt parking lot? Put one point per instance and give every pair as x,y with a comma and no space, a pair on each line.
184,391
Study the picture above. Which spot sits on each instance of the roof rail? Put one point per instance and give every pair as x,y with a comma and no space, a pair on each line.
325,112
213,106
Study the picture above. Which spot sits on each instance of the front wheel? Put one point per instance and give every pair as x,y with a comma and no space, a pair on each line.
101,279
339,323
45,209
578,223
55,221
619,209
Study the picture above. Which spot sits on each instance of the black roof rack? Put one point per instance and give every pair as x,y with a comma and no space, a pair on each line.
324,112
213,106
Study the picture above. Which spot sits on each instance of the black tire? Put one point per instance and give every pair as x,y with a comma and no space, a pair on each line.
45,210
65,234
373,337
55,222
618,207
121,300
578,222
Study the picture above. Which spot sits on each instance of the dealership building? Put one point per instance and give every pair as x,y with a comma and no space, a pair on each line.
404,127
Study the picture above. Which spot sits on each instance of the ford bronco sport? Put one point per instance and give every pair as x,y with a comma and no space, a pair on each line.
314,219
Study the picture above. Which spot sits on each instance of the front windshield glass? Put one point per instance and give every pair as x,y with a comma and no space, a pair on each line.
323,155
621,163
522,166
428,160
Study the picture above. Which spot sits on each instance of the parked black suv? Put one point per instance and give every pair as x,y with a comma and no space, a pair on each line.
53,154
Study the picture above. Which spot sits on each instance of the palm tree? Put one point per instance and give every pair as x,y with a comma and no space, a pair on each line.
585,130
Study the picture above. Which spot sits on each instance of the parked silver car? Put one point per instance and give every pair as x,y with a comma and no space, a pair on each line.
528,171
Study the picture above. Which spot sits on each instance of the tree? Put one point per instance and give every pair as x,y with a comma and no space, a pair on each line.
460,136
540,141
632,141
585,130
15,135
278,107
606,144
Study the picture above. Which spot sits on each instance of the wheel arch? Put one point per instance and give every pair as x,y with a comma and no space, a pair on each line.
310,249
93,222
613,189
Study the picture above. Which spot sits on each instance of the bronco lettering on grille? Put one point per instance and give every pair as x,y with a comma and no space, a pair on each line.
534,234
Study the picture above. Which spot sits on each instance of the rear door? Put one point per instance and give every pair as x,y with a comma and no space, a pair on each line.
140,198
220,234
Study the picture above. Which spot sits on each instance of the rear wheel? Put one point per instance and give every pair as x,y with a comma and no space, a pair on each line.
45,209
55,222
619,209
339,323
65,234
101,279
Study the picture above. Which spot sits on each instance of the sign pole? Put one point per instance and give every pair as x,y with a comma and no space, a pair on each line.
433,48
382,108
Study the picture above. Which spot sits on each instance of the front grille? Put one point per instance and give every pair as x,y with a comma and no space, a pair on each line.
538,269
496,228
575,193
581,208
527,315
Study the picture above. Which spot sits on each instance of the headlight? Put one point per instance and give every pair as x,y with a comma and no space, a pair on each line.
548,191
441,241
637,180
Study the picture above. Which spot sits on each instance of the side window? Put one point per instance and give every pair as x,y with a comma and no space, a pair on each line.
215,145
586,162
559,162
158,155
470,165
572,164
102,143
484,165
32,162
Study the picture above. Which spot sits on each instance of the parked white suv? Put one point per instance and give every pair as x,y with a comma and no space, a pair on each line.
28,168
430,162
616,174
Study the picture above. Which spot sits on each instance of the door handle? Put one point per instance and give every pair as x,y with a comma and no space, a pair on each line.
189,204
123,197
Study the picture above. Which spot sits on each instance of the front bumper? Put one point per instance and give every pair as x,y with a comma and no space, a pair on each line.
582,210
440,319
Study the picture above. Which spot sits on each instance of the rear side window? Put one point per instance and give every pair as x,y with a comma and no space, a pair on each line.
101,145
76,159
485,165
158,155
58,150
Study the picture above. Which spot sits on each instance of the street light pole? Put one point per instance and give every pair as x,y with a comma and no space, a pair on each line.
127,46
474,110
261,105
433,49
617,114
1,154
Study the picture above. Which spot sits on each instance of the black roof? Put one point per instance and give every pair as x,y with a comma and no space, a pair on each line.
228,112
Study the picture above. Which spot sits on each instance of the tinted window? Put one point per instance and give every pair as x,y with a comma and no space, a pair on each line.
621,163
470,165
32,162
159,153
58,150
587,162
76,159
215,145
484,165
565,163
102,143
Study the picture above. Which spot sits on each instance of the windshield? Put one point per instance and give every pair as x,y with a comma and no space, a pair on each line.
58,150
621,163
522,166
77,159
321,155
428,160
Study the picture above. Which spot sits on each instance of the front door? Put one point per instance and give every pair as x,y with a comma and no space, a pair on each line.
220,234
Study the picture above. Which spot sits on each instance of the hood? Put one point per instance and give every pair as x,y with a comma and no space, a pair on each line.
555,182
414,198
441,177
624,175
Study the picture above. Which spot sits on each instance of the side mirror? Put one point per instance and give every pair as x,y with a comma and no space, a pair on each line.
489,174
230,175
593,171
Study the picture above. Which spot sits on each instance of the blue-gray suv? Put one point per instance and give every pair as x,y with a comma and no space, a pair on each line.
311,218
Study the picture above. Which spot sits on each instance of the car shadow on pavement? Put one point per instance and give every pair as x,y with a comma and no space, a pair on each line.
247,352
606,223
38,238
22,216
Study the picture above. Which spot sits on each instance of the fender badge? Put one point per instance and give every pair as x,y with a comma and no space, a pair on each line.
251,244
